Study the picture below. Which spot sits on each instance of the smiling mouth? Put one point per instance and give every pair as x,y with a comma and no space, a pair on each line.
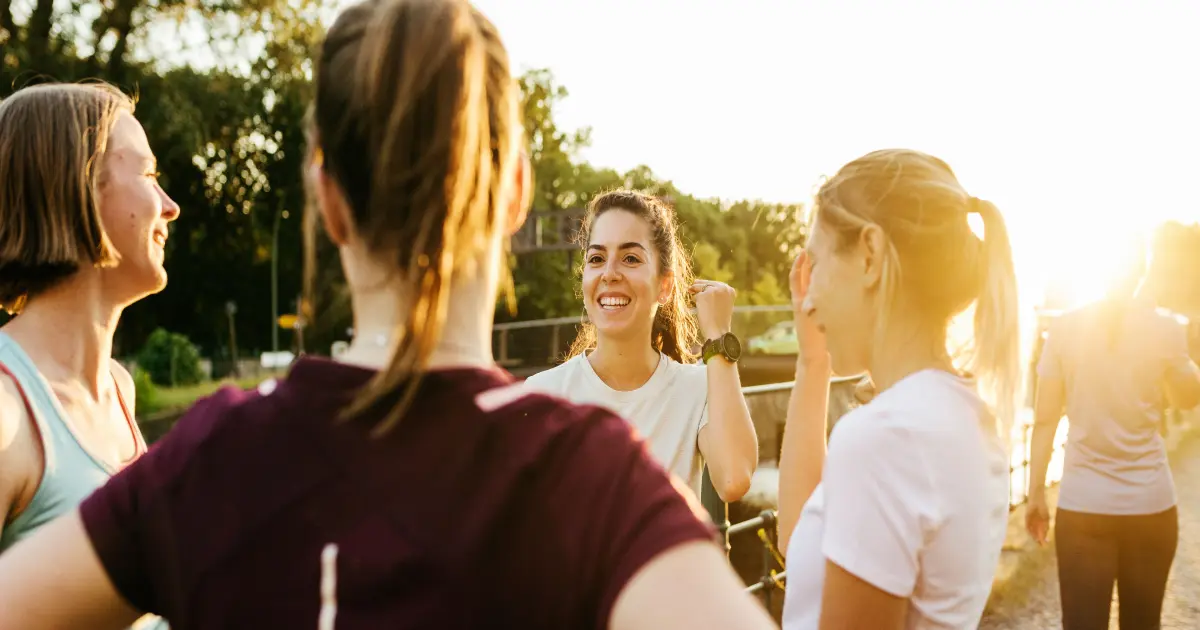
613,303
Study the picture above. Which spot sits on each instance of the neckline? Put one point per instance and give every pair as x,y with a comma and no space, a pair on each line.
139,446
651,385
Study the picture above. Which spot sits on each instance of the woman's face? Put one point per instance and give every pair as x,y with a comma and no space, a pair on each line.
622,288
135,210
840,300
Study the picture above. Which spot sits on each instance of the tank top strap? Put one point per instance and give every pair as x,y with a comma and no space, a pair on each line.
36,395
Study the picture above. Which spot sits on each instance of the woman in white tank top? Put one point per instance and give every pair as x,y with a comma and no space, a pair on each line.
900,524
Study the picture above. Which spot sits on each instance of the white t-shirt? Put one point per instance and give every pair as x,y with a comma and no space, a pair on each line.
913,500
668,410
1116,460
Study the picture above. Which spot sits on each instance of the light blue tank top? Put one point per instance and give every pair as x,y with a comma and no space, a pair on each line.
70,473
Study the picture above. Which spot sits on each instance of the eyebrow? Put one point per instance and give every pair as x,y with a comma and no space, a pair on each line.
629,245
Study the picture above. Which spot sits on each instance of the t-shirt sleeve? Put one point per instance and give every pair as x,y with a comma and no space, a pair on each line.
620,509
878,504
127,519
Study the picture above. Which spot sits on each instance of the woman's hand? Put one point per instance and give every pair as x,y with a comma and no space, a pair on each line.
809,337
1037,517
714,307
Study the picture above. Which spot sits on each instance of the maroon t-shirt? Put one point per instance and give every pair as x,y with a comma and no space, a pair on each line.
486,507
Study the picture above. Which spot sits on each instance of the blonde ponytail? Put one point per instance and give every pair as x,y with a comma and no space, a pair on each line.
996,357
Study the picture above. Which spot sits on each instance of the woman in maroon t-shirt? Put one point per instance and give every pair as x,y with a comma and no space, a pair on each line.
412,484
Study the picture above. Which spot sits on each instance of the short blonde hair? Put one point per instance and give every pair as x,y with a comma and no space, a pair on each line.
933,261
52,137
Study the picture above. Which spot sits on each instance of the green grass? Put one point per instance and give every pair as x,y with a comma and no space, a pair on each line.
174,398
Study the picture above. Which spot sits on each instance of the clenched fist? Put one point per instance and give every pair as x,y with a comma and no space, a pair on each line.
714,307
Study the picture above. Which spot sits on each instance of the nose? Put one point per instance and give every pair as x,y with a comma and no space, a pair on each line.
170,209
611,273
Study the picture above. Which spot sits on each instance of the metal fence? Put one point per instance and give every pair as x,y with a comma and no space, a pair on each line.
773,576
544,342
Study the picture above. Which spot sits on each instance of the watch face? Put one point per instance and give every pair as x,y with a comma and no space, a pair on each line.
733,347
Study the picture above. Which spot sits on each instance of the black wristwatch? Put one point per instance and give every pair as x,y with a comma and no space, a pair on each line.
726,346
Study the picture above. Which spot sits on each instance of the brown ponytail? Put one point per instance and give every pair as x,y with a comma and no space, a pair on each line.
416,119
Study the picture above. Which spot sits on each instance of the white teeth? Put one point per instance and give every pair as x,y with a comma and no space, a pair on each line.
614,302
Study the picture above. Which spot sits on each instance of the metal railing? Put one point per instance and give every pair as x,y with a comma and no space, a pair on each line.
773,576
549,349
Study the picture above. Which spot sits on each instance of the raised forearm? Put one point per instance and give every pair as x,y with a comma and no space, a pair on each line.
728,442
803,455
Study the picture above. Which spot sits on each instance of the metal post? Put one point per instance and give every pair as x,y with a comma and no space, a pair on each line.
275,282
231,310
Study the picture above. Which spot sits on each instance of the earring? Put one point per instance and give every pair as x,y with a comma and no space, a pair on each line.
17,306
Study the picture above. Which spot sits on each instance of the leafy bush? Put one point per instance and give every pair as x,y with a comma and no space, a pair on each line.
170,359
147,391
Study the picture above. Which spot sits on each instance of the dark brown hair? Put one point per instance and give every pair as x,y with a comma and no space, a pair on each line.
52,137
416,120
675,329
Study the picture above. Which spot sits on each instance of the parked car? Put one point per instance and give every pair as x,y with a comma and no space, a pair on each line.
778,339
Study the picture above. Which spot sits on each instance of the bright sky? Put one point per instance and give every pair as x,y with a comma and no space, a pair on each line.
1081,120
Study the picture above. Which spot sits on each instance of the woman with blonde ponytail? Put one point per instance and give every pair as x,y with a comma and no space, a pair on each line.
900,523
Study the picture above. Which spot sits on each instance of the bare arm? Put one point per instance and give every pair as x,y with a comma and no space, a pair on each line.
688,586
803,455
728,442
1048,411
55,580
849,603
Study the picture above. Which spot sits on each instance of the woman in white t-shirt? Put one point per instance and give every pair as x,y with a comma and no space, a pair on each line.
633,356
900,524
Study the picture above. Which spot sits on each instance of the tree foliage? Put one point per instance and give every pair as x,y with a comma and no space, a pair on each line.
223,88
748,244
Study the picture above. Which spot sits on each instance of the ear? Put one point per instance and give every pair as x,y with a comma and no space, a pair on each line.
872,249
666,287
331,202
522,192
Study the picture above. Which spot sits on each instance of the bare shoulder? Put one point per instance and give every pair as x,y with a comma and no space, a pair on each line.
18,446
14,417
